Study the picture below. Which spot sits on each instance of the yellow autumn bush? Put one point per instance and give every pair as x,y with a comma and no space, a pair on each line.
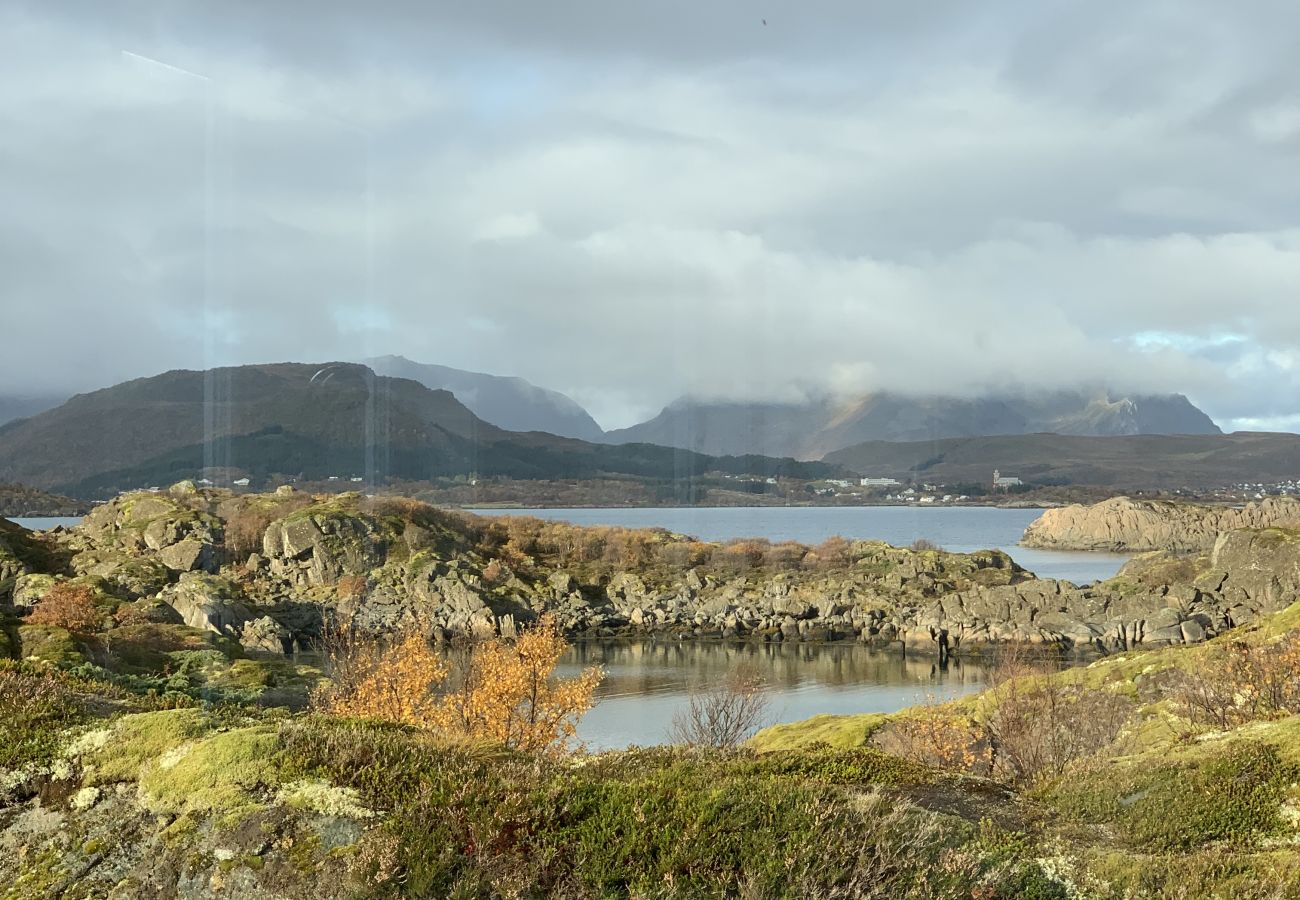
495,690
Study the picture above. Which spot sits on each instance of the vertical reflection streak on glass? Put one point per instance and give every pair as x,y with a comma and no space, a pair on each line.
375,428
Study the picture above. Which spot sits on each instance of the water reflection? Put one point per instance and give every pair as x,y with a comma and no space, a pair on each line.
646,682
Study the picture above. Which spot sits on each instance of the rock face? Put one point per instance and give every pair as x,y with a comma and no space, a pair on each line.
317,549
207,603
1123,524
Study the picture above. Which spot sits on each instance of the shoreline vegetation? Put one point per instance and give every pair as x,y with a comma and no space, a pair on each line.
157,739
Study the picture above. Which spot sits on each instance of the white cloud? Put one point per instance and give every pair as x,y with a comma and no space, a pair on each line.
618,205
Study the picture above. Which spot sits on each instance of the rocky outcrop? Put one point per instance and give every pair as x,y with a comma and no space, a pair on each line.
208,603
183,538
1127,525
318,548
386,569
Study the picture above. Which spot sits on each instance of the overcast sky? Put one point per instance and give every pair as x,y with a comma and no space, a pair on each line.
629,201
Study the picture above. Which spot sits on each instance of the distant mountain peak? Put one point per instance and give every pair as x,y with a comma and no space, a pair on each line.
823,424
507,401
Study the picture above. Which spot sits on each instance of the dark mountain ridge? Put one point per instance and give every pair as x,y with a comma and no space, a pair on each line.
294,420
1120,462
823,425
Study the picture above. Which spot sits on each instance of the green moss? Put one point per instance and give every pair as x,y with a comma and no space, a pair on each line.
131,743
1214,873
839,732
219,772
37,877
53,645
1181,802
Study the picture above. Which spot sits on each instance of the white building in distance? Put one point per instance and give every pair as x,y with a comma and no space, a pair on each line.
1004,481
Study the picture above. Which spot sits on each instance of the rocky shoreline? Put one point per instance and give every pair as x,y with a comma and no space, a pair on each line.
185,556
1123,524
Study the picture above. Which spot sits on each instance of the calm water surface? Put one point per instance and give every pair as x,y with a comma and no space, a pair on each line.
46,522
960,529
647,682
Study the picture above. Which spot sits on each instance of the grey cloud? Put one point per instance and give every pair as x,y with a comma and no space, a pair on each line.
629,201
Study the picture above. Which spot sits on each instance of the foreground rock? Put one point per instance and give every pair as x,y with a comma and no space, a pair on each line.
1126,525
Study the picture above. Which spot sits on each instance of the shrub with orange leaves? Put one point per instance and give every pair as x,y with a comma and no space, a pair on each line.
500,691
1246,683
506,692
70,606
390,681
937,737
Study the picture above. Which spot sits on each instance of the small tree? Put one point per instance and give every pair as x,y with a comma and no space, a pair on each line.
70,606
494,690
394,681
504,692
725,714
1040,721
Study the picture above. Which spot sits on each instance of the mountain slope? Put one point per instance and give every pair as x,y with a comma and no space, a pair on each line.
13,406
309,421
510,403
820,426
1119,461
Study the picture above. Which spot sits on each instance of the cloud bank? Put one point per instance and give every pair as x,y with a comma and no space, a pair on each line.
627,202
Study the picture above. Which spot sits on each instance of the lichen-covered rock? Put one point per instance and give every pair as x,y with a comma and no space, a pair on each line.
1124,524
189,555
265,635
29,589
208,603
317,548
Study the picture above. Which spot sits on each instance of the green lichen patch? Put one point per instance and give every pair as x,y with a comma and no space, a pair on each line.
219,772
839,732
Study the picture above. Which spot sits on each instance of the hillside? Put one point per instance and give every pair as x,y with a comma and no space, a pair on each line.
510,403
293,420
821,426
1120,462
13,406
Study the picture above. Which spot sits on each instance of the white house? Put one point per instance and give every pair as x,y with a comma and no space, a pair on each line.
879,482
1005,481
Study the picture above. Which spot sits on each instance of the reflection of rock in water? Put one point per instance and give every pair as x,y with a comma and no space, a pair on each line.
654,667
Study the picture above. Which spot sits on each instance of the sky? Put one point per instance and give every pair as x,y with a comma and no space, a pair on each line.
630,201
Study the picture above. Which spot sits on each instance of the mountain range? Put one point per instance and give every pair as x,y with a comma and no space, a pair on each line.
1123,462
824,425
312,422
507,402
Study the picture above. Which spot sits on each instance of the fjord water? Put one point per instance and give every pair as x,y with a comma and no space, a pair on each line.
961,529
44,523
647,682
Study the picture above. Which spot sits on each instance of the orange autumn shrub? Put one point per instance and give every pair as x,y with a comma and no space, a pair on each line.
394,682
70,606
494,690
507,693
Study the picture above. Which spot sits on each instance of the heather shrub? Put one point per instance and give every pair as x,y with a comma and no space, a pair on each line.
68,606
